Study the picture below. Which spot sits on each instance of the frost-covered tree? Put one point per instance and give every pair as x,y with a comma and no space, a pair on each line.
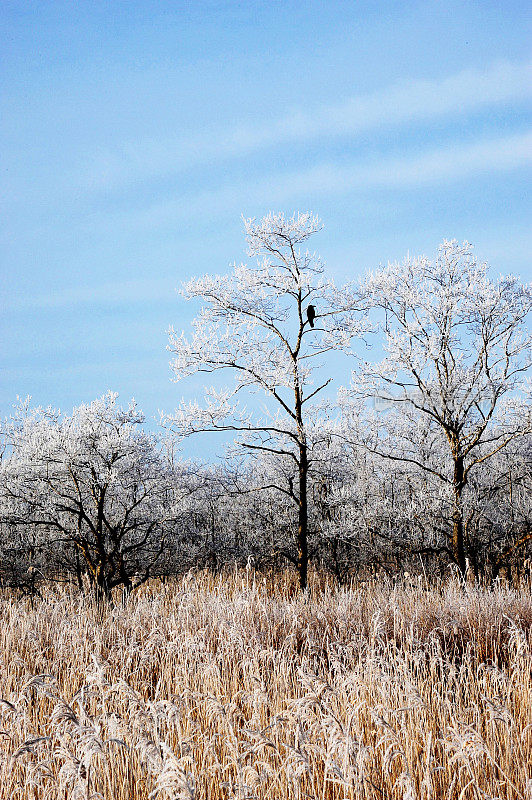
500,502
457,351
93,483
256,325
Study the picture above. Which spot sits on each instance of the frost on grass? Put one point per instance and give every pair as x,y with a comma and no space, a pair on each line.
235,687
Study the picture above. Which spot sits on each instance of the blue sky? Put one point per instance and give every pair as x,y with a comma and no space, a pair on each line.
135,134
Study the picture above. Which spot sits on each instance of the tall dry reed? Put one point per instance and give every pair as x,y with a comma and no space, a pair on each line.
238,687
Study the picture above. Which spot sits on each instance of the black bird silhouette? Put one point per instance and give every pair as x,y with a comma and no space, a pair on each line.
311,313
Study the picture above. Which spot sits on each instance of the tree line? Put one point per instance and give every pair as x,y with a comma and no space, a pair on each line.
419,460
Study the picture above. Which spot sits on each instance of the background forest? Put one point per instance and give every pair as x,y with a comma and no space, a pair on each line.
417,460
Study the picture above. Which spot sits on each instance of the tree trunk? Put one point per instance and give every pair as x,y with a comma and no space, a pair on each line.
103,591
125,580
79,576
302,530
457,536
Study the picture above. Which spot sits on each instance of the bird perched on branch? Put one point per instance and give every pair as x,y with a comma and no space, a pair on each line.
311,314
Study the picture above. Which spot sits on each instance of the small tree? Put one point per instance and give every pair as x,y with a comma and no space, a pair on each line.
91,481
271,326
457,351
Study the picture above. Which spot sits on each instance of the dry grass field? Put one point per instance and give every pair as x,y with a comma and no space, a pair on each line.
238,687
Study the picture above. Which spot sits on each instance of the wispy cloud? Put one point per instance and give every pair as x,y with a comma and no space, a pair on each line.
444,165
415,101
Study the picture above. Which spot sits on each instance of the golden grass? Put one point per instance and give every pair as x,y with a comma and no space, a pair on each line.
238,687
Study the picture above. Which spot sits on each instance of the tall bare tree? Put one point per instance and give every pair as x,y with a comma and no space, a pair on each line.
457,351
256,325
